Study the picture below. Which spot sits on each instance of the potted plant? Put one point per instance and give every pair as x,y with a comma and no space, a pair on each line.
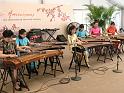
100,13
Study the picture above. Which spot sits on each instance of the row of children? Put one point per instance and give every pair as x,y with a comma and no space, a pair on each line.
75,36
95,30
9,48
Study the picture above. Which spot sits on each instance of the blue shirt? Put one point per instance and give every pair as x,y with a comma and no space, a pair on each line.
81,34
22,42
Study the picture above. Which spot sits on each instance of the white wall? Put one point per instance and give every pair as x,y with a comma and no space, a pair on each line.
122,18
119,2
21,1
116,17
78,4
101,3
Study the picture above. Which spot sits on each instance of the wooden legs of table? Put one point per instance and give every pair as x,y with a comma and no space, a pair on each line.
106,51
54,61
14,80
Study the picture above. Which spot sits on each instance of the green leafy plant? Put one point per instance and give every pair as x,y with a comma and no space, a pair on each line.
100,13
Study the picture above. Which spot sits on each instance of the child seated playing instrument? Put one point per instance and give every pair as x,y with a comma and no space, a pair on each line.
24,43
81,33
73,40
95,31
9,50
112,30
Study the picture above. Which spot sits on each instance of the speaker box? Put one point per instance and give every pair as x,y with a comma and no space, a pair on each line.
35,33
61,38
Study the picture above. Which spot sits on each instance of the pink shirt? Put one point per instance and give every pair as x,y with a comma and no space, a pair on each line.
95,31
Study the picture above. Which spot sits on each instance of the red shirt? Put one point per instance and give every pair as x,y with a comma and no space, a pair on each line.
112,30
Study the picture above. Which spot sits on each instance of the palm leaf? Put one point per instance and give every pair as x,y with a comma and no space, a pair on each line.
100,13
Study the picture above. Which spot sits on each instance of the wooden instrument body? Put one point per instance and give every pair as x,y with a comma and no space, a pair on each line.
25,59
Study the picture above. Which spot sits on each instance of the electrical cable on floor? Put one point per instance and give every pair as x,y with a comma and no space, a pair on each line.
42,88
99,71
66,80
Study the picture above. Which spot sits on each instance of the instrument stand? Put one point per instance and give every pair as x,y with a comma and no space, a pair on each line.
51,33
117,70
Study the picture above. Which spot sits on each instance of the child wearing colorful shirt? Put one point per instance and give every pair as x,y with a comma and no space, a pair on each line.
24,43
9,49
112,30
74,41
81,33
95,31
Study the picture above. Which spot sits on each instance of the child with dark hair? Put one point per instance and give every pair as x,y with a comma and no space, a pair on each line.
95,31
22,40
81,33
121,30
112,30
9,50
74,41
24,43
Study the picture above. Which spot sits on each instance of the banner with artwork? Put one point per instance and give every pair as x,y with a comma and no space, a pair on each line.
28,16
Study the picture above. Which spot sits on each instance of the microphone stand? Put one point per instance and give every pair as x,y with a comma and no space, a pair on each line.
117,70
76,77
